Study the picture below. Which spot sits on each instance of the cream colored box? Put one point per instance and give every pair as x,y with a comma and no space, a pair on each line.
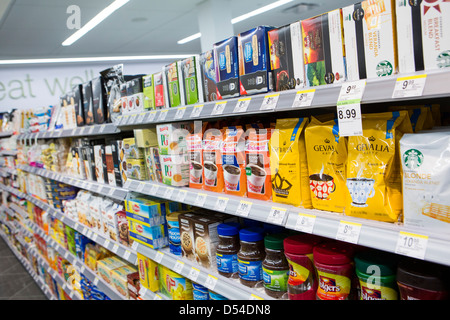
145,138
370,39
175,170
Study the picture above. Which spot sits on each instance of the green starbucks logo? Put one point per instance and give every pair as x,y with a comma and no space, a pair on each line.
413,158
384,68
443,59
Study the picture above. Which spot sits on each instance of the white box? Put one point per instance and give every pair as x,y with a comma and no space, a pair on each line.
369,37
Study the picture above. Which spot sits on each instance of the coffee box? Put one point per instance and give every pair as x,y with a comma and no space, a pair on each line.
208,75
286,62
227,65
173,91
145,138
190,80
195,154
186,225
99,100
206,239
212,160
423,33
255,75
158,89
323,49
370,40
148,91
233,161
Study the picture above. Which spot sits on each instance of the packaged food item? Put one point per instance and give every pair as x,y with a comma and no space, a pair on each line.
334,264
286,57
136,169
78,104
153,163
233,161
302,281
423,35
172,137
374,180
205,241
376,271
122,227
110,174
259,179
144,138
148,272
327,161
421,280
148,92
99,100
95,213
275,266
158,89
227,250
107,265
113,79
323,49
175,169
186,224
119,279
215,296
420,116
199,292
133,285
88,107
426,197
131,150
98,158
254,64
195,154
189,72
370,39
174,92
118,158
227,68
288,163
154,237
174,285
250,256
208,73
135,95
173,226
212,160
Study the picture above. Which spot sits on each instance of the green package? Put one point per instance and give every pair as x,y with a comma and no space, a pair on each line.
149,94
188,69
171,78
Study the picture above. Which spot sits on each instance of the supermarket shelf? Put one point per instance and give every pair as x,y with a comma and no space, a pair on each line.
94,130
100,188
377,90
230,288
5,134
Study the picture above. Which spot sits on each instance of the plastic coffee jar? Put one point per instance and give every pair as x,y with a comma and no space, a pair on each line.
227,249
275,266
334,264
421,280
251,256
302,282
376,273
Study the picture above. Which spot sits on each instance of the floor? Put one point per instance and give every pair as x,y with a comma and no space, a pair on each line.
15,281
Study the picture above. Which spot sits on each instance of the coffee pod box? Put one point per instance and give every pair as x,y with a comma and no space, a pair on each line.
423,32
370,39
426,192
255,75
190,80
323,49
286,57
208,76
226,59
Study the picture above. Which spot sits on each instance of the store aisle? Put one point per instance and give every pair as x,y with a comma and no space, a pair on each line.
15,282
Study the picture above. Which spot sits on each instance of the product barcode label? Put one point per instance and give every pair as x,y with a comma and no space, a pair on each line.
163,115
158,257
178,266
210,282
181,195
200,200
193,274
152,116
154,189
168,193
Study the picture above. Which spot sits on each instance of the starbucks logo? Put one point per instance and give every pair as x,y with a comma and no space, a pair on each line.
384,68
413,158
443,59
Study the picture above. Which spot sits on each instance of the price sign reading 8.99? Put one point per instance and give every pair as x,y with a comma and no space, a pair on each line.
349,108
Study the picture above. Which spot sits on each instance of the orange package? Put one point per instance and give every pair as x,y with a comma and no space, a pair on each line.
195,154
212,160
259,181
233,161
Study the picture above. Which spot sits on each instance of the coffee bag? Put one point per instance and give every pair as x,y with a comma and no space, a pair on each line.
212,160
233,161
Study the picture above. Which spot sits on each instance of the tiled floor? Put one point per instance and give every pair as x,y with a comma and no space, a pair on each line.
15,281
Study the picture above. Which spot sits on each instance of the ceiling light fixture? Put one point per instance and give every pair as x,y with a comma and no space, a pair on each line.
243,17
102,15
95,59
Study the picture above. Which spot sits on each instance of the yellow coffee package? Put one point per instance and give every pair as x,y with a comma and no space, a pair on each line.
374,180
288,163
420,116
327,160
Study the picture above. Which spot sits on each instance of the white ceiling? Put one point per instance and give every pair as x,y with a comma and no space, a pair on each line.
36,28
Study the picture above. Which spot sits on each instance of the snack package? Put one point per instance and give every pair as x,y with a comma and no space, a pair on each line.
233,161
174,285
212,160
327,160
148,272
99,100
113,80
374,178
227,66
259,179
288,163
208,74
370,39
426,196
323,49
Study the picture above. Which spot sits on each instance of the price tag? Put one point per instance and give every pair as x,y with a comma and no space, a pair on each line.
200,200
181,195
126,254
102,128
221,204
158,257
270,102
142,291
111,191
305,222
106,243
348,231
255,297
180,113
96,280
140,118
115,248
409,86
178,266
94,237
244,208
242,105
411,245
154,189
168,193
219,107
210,282
152,115
193,274
349,108
196,111
163,114
119,120
91,129
140,187
157,297
303,98
127,184
134,245
276,215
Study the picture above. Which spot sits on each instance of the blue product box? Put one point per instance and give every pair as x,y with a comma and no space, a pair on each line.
227,66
